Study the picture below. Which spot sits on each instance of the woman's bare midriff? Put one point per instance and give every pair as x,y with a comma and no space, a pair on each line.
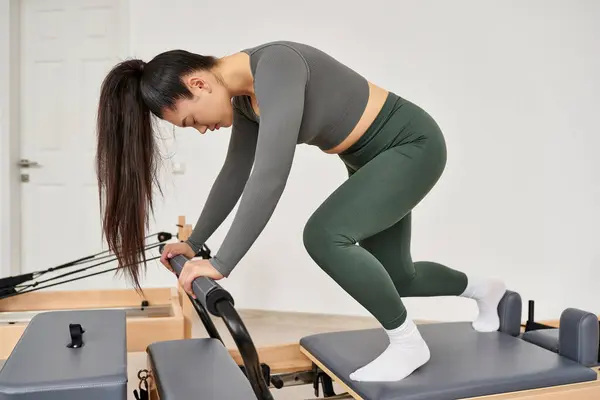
377,97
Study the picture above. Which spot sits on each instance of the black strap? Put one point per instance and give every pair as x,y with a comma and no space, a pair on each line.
7,292
12,281
76,332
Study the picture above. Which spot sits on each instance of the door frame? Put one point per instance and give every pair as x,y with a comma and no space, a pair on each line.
10,193
10,146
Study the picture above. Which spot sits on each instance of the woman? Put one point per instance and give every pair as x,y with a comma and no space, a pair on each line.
276,96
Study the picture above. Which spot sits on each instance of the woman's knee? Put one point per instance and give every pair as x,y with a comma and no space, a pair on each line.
315,235
321,237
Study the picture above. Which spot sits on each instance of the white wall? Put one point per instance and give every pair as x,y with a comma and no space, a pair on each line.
513,84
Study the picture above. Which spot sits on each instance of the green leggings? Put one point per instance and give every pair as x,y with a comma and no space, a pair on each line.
360,236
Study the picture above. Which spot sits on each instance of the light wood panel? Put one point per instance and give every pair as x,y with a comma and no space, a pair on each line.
140,331
576,391
579,391
280,358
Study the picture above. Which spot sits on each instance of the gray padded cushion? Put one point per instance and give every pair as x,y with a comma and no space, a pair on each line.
546,338
579,336
199,369
510,309
464,363
42,367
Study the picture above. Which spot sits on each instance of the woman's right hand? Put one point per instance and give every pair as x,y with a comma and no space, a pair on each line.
174,249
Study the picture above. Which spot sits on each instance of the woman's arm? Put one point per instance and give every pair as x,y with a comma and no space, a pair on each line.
280,83
230,182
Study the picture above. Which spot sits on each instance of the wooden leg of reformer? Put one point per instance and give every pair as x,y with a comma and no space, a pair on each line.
189,313
154,394
152,389
180,227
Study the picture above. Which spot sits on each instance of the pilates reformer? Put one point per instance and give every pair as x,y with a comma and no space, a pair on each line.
155,315
168,361
464,363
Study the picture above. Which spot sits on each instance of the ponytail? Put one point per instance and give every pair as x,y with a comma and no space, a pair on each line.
131,94
125,165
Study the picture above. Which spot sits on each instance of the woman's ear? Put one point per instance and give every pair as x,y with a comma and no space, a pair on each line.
197,83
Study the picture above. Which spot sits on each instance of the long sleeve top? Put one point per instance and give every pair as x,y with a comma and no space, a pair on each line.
304,96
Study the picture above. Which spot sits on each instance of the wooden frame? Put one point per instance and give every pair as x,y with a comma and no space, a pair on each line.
580,391
282,359
168,325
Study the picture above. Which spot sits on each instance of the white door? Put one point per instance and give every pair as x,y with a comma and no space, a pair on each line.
67,47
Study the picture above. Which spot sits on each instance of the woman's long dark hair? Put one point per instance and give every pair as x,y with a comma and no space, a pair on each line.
127,150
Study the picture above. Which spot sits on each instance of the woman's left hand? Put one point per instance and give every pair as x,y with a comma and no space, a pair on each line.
193,269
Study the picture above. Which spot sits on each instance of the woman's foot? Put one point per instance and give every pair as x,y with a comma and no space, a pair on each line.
406,352
487,294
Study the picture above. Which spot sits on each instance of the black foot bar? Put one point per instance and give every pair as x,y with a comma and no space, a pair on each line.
531,325
212,297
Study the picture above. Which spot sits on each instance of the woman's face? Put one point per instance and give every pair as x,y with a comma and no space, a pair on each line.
209,108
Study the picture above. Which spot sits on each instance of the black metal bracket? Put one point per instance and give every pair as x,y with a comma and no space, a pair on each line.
320,377
204,252
243,340
265,369
531,325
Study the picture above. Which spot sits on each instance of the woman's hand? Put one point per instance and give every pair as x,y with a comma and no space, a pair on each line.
194,269
174,249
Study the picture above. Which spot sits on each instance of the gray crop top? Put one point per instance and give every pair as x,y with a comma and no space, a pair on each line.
305,97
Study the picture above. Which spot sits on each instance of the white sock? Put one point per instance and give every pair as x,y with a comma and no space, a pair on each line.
406,352
487,294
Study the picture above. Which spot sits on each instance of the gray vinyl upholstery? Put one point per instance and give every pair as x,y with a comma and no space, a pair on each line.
199,369
42,367
546,338
464,363
509,311
579,336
